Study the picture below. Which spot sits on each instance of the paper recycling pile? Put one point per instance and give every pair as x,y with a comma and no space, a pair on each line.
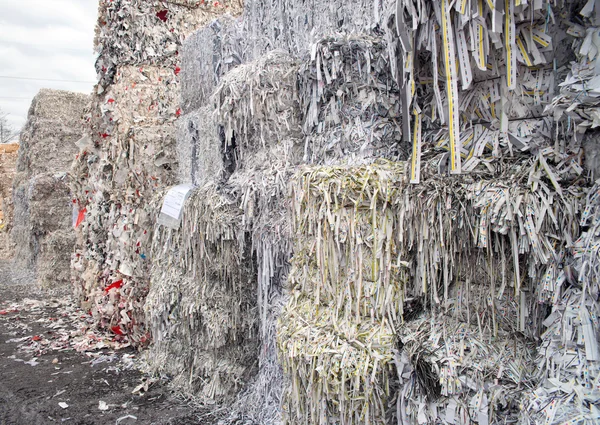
136,32
386,213
42,227
129,154
8,164
216,286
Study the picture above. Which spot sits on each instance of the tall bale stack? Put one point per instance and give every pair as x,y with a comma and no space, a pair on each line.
233,242
43,208
488,251
8,166
130,153
418,291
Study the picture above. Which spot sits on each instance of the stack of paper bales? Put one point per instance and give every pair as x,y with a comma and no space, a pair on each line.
8,164
223,268
43,209
130,152
385,274
393,204
485,253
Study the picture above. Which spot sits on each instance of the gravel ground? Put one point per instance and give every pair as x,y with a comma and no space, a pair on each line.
42,384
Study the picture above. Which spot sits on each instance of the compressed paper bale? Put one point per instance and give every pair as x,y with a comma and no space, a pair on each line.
49,237
50,205
336,333
21,232
149,32
293,25
255,194
202,300
43,205
8,165
61,108
54,124
452,369
350,101
206,56
329,360
263,180
257,103
54,260
568,352
199,147
331,259
42,199
145,95
212,351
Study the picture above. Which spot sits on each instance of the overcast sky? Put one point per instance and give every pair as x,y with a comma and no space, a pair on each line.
44,39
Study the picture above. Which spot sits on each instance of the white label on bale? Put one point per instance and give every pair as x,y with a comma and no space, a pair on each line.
175,199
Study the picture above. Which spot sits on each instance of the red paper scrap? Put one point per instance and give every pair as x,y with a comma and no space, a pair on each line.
80,217
114,285
117,330
162,15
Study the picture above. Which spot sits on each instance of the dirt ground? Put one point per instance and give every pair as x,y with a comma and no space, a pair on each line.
54,369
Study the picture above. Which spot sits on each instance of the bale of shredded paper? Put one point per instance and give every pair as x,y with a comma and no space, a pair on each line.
372,248
293,26
141,32
42,200
199,147
568,361
202,307
453,372
478,82
206,56
339,368
336,333
350,101
257,104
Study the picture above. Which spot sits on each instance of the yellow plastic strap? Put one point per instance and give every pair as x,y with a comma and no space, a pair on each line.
451,88
509,41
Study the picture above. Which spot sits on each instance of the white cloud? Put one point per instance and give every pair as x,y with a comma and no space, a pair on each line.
44,39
